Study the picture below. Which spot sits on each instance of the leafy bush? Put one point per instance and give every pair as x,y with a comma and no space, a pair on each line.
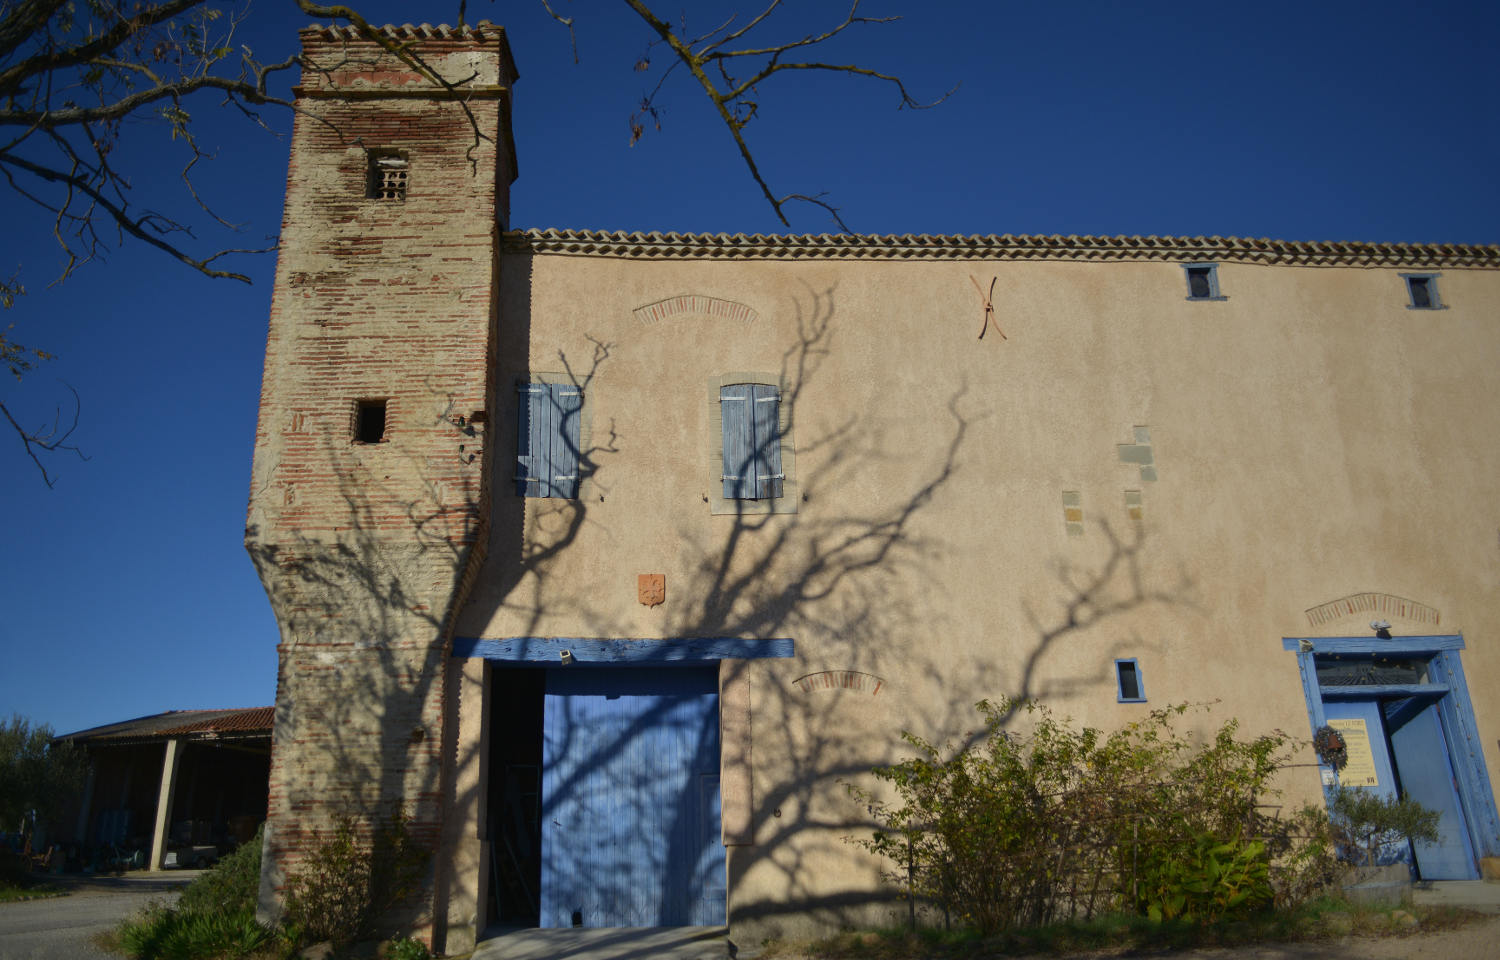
1364,821
161,933
407,949
1304,860
347,883
232,886
1020,829
1205,882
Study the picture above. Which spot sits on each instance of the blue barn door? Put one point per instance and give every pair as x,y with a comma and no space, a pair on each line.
630,794
1427,777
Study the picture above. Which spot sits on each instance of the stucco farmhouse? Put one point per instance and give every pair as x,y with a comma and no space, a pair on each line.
609,556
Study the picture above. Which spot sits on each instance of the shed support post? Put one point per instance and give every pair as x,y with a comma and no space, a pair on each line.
164,803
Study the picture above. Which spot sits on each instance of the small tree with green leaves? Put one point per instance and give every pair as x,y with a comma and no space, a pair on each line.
38,776
1364,821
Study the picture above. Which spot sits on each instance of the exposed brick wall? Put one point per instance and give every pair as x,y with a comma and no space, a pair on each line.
364,548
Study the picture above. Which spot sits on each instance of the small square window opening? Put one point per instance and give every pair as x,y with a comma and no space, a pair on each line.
1202,281
1129,686
1422,289
386,178
369,421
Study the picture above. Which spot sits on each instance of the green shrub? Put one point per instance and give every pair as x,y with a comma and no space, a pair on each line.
1021,829
232,886
1205,881
407,949
1304,860
161,933
347,884
1364,821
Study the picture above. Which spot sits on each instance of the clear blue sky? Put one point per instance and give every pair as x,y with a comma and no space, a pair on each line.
126,590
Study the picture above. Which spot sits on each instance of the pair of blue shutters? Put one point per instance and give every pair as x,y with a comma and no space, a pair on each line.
547,454
751,414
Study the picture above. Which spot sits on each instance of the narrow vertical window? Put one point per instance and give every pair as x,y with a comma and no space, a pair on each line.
547,440
369,421
386,178
1202,281
1129,686
1422,291
751,417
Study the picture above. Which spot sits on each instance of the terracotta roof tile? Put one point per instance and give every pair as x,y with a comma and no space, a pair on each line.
759,246
178,723
483,30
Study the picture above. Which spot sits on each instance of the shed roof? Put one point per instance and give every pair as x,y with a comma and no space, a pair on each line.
240,723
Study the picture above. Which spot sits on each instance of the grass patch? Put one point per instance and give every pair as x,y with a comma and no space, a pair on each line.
1327,918
28,891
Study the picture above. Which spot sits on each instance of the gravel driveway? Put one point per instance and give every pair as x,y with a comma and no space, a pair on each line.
60,928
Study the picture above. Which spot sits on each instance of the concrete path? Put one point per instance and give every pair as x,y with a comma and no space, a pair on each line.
62,928
607,943
1474,895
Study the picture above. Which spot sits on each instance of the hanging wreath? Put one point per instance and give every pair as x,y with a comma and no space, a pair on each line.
1330,747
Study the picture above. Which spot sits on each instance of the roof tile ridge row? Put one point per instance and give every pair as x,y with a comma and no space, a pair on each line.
673,245
482,30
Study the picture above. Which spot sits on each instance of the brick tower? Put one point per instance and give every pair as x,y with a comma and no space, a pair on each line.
369,498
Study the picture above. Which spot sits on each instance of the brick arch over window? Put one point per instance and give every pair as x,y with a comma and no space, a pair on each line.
698,305
1378,604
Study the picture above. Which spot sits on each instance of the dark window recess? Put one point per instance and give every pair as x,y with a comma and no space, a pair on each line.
547,447
369,421
751,415
1422,288
387,177
1369,671
1128,680
1202,281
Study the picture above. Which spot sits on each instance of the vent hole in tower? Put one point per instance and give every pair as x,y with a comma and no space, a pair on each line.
386,178
369,421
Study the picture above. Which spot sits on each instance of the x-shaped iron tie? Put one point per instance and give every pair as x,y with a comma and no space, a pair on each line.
989,308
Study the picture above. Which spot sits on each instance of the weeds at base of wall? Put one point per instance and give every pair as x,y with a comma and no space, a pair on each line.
346,888
1326,918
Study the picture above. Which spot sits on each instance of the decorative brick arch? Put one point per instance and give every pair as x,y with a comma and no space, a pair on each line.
697,304
1381,604
840,680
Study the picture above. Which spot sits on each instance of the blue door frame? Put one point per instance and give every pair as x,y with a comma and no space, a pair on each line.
630,780
1454,714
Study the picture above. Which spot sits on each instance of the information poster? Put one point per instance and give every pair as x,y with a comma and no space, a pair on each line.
1360,770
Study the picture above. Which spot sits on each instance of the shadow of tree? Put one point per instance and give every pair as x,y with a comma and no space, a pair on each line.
354,621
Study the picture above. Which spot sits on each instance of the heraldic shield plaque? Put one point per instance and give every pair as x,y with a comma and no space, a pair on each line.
653,588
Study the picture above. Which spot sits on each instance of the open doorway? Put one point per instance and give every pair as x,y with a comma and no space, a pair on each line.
1402,706
515,797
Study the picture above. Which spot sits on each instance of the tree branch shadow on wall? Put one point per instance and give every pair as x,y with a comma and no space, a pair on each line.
822,573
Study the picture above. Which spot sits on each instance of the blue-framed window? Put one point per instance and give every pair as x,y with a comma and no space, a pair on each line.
1130,685
548,440
750,417
1422,291
1202,281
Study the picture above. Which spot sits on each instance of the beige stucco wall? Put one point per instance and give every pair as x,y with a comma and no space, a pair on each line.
1313,438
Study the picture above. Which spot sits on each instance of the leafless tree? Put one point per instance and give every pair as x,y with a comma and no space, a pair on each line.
73,77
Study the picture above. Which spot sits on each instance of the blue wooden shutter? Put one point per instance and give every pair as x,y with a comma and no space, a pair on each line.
566,402
547,439
531,456
734,410
751,415
765,422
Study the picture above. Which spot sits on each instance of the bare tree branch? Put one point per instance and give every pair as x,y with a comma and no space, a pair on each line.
732,99
47,439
